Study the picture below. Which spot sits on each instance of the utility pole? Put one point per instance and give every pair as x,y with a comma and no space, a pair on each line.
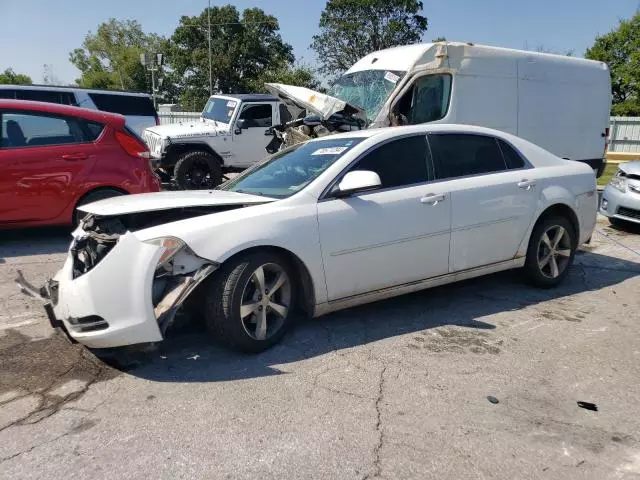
153,65
210,71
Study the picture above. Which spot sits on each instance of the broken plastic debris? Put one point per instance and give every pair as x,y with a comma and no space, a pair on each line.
493,399
588,406
194,357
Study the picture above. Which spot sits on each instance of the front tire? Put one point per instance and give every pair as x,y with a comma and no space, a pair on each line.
552,247
249,303
197,170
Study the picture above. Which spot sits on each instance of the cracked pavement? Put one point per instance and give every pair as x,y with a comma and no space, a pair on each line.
396,389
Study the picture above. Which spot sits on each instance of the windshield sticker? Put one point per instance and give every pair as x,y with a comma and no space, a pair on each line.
392,77
231,104
330,151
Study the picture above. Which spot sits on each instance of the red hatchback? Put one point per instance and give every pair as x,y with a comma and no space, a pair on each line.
54,158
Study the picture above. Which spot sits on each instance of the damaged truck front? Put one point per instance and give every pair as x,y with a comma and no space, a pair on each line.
165,269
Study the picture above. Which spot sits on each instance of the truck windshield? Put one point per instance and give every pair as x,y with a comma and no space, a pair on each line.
289,171
219,109
368,89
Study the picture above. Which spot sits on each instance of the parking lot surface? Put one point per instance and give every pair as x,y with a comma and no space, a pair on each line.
396,389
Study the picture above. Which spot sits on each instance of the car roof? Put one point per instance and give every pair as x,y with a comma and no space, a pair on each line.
56,108
64,88
389,132
250,97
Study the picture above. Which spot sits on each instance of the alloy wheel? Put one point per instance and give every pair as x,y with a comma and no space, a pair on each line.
266,300
554,251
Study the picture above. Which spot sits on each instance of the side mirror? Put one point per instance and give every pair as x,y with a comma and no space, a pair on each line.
357,181
239,126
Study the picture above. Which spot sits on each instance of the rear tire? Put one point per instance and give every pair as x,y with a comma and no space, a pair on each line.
197,170
248,310
91,197
552,247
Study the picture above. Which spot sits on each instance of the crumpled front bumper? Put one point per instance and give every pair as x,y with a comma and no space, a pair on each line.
111,305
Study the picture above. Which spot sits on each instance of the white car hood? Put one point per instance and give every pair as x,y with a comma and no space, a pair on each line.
189,129
312,101
148,202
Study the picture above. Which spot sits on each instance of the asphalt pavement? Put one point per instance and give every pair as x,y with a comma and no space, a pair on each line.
480,379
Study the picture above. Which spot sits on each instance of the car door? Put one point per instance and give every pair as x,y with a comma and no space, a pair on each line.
396,234
493,196
249,143
42,157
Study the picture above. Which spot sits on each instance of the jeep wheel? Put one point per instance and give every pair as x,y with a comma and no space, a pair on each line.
197,171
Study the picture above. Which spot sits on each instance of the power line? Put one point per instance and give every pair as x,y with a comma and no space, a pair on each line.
226,23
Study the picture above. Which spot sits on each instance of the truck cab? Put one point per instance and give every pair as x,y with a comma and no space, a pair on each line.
230,135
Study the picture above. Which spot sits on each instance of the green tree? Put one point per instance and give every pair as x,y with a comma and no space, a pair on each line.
110,58
12,78
244,48
351,29
298,74
620,50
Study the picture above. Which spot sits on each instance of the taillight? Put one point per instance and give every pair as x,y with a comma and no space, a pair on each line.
132,145
157,120
606,140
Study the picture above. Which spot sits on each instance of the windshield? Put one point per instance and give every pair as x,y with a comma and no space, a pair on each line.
368,89
219,109
289,171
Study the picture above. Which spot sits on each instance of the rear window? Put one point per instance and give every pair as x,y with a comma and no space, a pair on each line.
124,104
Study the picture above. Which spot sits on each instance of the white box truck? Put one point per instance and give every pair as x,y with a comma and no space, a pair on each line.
557,102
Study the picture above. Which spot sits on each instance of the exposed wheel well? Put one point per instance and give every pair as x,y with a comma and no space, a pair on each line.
562,210
306,298
91,192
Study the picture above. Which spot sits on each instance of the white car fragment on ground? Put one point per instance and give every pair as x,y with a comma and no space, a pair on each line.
328,224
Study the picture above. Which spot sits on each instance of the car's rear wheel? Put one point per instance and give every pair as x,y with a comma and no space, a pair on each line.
249,303
552,247
91,197
197,171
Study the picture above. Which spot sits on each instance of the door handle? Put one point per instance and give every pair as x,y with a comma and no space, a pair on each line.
526,184
74,156
432,199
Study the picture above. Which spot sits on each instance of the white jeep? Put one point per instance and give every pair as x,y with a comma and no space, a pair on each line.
230,135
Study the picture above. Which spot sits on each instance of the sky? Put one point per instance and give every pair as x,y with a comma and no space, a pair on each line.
38,32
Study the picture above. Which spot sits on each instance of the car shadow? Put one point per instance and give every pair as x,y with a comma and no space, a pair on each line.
34,241
190,356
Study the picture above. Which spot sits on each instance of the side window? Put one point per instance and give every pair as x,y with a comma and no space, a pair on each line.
93,130
459,155
512,158
257,115
27,129
399,162
426,101
6,93
38,95
140,105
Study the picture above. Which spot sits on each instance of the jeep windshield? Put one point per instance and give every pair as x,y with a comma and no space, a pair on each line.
290,170
219,109
368,89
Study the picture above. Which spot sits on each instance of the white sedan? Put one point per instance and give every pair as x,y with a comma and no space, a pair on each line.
332,223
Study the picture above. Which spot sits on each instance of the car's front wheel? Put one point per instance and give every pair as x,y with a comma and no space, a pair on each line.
552,247
249,303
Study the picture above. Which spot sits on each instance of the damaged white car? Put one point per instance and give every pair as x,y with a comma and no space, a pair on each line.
324,225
